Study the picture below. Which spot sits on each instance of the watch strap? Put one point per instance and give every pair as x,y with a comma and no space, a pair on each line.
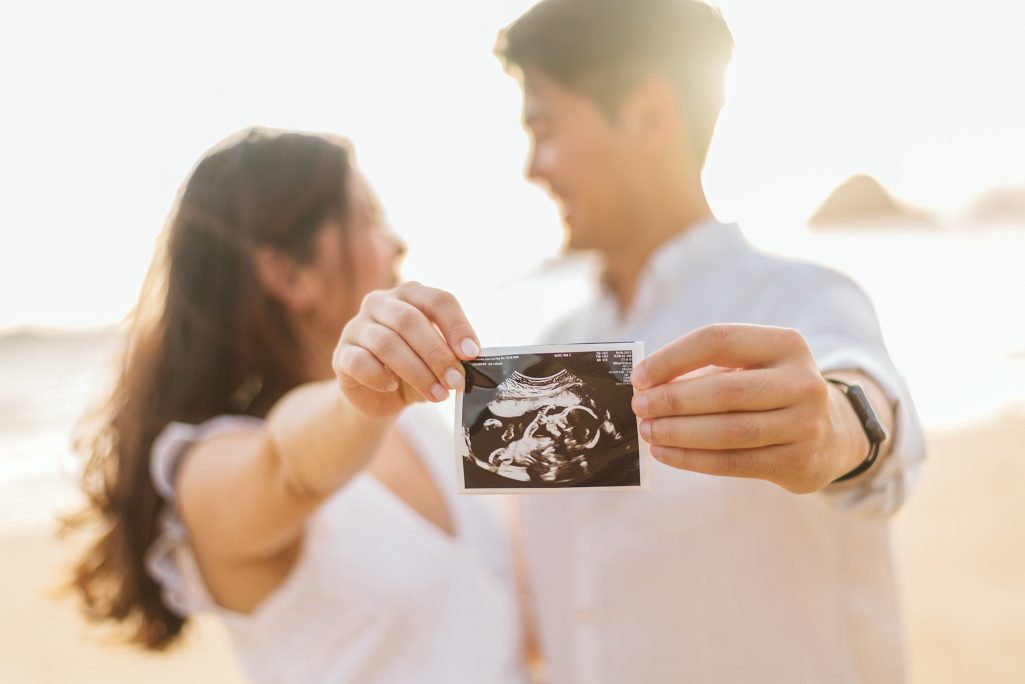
870,423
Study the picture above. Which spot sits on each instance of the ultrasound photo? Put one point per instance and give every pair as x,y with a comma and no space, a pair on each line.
548,418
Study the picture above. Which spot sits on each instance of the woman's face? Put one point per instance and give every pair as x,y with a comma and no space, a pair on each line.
376,250
374,255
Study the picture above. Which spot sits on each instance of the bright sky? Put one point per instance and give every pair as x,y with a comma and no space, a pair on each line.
108,106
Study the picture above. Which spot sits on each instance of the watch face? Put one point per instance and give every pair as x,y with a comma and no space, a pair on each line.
873,428
869,423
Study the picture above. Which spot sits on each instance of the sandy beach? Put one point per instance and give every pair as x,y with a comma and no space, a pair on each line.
43,640
960,546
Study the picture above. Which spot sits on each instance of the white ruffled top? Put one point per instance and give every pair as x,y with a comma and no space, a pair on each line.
378,595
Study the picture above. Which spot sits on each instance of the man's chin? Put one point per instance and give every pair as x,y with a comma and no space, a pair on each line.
575,239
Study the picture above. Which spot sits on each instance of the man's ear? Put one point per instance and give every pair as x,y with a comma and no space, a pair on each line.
279,276
652,116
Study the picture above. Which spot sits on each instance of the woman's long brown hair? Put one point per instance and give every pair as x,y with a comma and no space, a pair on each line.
204,340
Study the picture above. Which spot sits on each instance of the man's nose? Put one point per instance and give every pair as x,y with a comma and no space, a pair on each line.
537,166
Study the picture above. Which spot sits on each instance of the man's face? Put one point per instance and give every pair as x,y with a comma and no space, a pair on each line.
578,154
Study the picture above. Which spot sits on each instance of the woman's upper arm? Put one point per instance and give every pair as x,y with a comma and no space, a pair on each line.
245,495
235,500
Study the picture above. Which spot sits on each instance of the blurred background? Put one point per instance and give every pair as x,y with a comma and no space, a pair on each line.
884,138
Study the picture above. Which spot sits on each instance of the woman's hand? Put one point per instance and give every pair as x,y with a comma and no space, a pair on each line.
404,346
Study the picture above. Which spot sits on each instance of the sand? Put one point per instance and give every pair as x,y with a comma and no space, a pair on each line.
42,639
960,548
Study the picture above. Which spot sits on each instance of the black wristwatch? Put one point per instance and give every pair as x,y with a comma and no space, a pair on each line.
870,423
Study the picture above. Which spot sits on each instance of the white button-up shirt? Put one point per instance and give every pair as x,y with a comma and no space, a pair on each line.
716,579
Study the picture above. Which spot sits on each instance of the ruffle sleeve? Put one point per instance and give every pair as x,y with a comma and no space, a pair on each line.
169,559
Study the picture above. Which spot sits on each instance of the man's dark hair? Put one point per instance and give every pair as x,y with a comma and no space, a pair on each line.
604,48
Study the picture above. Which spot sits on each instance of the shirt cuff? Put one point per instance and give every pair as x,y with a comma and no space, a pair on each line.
882,494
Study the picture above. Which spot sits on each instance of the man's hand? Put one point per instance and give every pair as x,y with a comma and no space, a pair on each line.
403,346
766,412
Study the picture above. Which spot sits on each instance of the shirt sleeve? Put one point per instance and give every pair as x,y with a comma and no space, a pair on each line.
169,559
840,325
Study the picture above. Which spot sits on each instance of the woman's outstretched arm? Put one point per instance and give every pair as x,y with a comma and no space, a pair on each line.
245,496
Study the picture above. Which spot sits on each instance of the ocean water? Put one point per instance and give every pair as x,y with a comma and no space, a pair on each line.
952,308
47,380
951,302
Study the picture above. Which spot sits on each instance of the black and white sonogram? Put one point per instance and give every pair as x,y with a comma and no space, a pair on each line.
550,417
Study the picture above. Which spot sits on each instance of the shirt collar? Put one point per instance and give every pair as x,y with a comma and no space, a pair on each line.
694,251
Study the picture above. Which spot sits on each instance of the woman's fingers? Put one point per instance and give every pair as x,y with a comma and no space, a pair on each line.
355,365
391,349
413,334
422,337
444,310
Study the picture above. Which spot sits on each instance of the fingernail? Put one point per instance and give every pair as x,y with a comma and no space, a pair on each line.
438,393
646,430
393,385
454,379
639,377
640,404
470,348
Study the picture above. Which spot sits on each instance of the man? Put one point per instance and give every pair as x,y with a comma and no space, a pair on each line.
762,551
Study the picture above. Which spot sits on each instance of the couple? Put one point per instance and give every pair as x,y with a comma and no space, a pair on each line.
264,456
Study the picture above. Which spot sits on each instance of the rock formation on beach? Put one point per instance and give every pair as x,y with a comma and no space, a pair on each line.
1003,205
862,199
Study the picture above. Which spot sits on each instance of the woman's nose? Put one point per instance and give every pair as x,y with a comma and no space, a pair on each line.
397,243
400,247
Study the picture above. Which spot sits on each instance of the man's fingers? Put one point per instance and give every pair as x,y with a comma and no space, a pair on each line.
761,389
443,309
726,431
356,365
763,463
422,337
728,345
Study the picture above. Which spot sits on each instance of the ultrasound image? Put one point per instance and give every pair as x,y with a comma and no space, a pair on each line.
549,420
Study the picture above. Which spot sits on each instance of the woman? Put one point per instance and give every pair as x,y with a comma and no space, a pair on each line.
234,471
